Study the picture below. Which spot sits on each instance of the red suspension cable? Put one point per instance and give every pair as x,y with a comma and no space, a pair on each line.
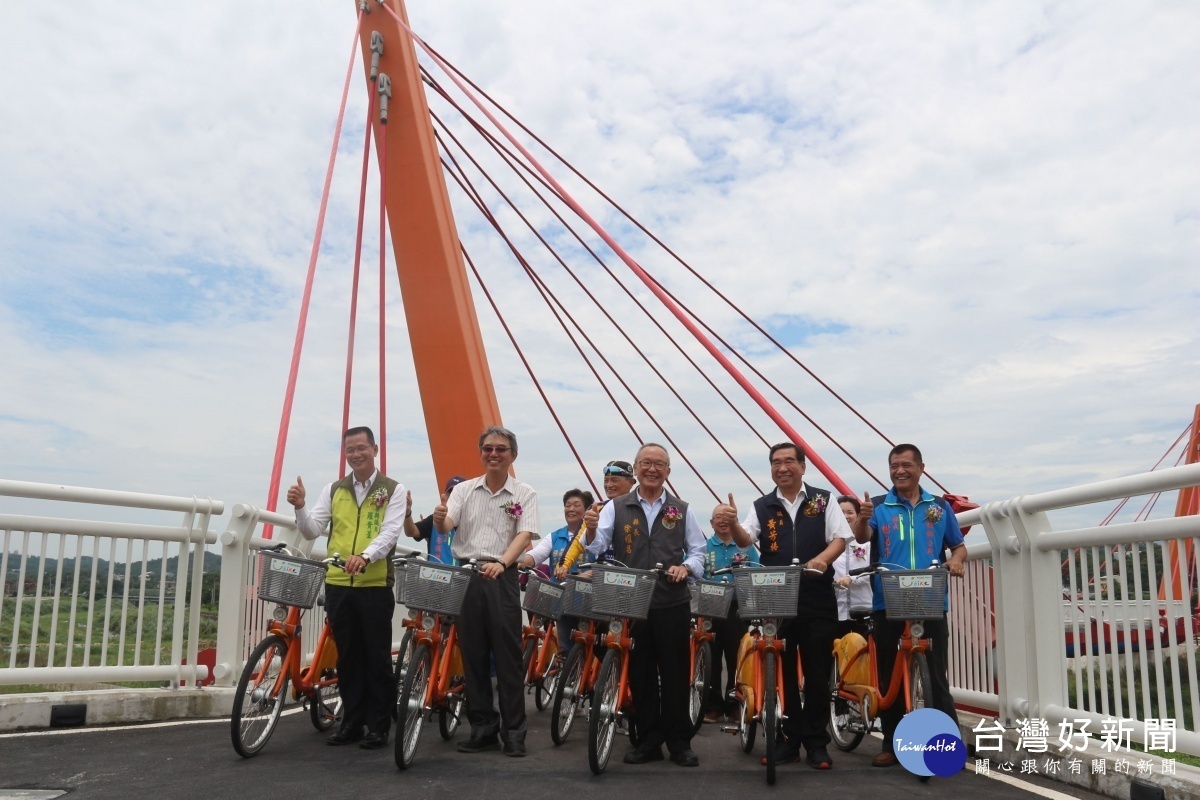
382,306
362,208
444,64
619,328
817,462
551,300
521,354
293,372
512,163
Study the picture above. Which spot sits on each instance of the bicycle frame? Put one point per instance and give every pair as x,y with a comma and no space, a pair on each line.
541,631
898,680
762,645
303,684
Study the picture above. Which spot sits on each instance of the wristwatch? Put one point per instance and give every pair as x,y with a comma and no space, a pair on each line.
365,558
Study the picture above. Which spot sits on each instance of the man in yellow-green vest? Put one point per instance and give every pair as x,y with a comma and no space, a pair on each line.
367,510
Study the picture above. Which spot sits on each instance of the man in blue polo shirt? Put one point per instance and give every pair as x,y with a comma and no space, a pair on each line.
911,529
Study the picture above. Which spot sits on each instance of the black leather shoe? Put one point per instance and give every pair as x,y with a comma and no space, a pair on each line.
514,749
374,741
644,755
685,758
479,744
345,736
818,758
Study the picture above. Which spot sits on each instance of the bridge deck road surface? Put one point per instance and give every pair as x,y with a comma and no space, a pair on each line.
195,761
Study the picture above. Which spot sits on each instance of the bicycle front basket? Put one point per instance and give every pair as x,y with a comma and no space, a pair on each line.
401,576
288,580
577,599
772,592
542,597
436,588
914,593
621,591
711,599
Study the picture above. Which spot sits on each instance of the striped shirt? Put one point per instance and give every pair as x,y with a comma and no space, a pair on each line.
485,526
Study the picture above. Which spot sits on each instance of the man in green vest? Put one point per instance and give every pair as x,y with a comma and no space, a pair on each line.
367,510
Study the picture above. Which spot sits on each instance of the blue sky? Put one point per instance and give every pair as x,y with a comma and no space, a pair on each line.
978,223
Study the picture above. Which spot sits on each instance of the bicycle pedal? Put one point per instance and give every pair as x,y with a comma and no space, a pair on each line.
729,729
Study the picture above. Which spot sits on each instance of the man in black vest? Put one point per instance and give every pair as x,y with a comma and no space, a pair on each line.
650,526
797,521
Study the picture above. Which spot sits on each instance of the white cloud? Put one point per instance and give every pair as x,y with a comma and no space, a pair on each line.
980,222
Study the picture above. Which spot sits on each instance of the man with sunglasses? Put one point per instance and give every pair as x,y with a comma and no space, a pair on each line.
496,517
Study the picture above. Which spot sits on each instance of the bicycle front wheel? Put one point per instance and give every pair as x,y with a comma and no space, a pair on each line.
260,696
602,726
403,657
411,714
566,695
846,724
699,687
920,681
770,714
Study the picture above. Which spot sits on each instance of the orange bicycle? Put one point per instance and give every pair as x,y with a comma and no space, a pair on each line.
912,595
294,584
623,594
765,595
539,646
581,666
710,600
433,678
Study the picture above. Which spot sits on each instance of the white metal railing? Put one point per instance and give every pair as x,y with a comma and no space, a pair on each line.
244,618
972,618
1080,630
108,607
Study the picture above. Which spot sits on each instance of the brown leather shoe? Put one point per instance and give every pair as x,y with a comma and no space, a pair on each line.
884,760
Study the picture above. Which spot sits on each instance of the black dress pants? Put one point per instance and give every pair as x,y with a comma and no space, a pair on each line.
727,637
811,633
489,628
658,675
887,639
362,628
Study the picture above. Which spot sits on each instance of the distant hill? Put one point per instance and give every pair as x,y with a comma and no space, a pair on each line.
49,566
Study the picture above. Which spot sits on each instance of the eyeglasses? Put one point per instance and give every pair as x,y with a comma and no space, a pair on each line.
659,465
620,472
498,449
362,448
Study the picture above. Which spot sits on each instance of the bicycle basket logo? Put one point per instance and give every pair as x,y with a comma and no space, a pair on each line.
916,581
286,567
619,579
553,591
769,579
583,588
719,591
438,575
927,743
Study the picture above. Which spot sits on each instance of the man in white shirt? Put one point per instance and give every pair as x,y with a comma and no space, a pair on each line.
645,527
496,518
367,509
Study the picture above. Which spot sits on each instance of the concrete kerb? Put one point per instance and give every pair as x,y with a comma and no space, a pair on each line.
1183,785
115,706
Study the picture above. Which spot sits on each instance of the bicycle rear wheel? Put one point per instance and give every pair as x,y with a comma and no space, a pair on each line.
699,687
747,727
261,694
411,714
846,724
770,714
566,695
602,726
325,706
403,657
920,681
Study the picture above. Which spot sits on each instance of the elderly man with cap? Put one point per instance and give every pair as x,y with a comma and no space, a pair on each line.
423,530
618,481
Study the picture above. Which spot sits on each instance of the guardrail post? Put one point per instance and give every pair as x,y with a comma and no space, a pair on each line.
235,552
1011,593
1045,634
